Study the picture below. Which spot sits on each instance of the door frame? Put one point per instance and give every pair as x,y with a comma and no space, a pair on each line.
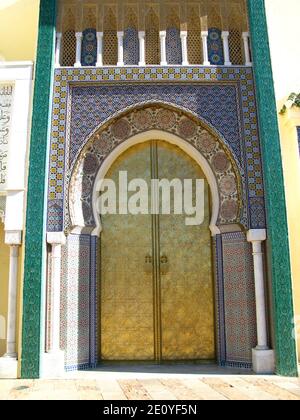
193,153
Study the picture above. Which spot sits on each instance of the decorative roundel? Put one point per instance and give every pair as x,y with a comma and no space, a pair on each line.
187,128
214,35
228,185
89,59
206,143
90,164
215,58
165,119
229,210
121,129
220,162
103,144
143,119
90,36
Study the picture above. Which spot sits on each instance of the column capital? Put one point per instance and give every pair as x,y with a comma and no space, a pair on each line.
183,34
13,237
58,35
256,235
78,35
162,34
56,238
204,33
100,34
142,34
245,34
120,34
225,34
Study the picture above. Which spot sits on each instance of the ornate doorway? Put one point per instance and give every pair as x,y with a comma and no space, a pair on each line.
156,291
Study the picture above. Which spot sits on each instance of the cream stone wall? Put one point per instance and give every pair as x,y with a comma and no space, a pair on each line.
284,33
4,260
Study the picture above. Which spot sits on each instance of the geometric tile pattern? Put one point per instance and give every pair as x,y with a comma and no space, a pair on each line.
75,301
131,47
215,47
222,97
92,105
89,48
174,48
239,299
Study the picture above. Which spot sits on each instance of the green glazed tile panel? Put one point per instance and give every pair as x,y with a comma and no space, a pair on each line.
279,256
35,232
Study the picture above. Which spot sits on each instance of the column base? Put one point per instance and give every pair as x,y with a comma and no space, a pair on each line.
207,63
53,365
8,368
263,361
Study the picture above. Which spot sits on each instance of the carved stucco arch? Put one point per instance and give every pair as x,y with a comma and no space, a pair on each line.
150,122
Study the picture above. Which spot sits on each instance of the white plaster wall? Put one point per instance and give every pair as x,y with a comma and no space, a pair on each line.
284,32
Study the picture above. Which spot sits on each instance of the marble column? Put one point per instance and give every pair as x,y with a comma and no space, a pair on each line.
58,49
225,38
120,36
184,46
9,363
78,49
204,36
99,49
246,40
142,61
53,363
163,48
263,357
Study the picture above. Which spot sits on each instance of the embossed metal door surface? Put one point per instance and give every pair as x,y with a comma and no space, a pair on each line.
126,288
187,307
156,272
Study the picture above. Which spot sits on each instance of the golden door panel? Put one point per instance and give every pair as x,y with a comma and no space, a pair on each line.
187,305
126,290
147,316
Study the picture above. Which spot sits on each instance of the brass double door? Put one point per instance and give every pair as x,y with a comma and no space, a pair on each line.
156,272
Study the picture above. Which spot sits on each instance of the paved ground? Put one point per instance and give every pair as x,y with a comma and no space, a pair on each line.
165,383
